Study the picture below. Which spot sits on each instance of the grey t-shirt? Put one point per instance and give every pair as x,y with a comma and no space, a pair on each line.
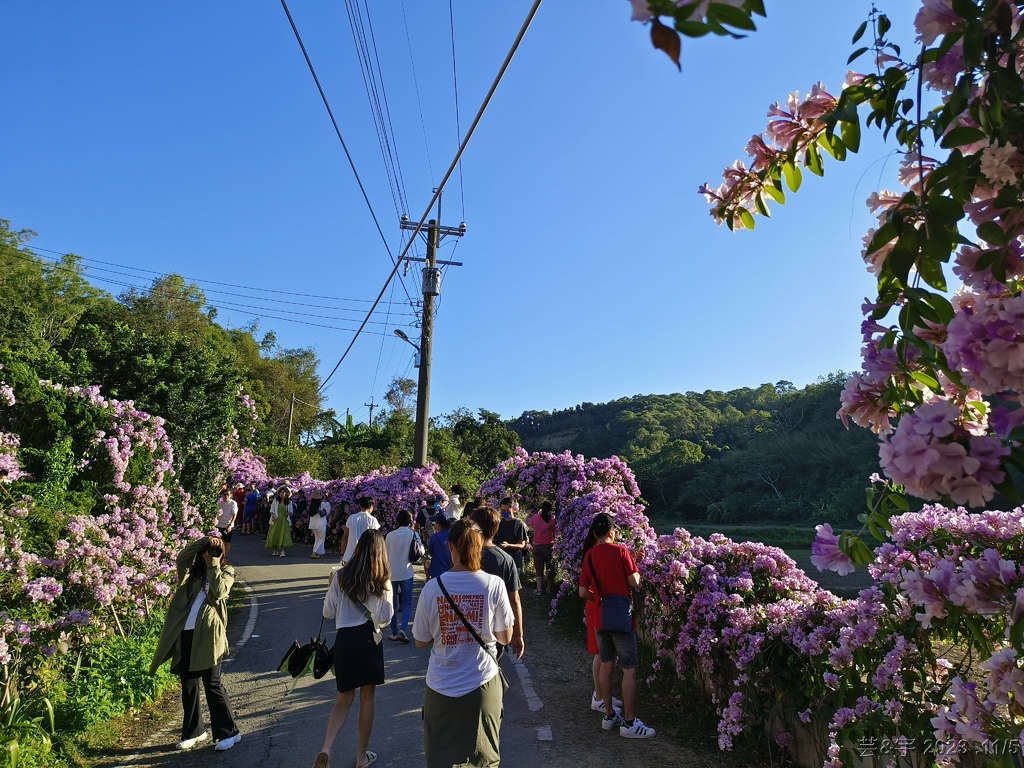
498,562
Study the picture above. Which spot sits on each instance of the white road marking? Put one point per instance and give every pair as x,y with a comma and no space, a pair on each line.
532,699
544,733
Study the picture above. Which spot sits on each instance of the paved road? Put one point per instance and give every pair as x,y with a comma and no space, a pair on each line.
287,730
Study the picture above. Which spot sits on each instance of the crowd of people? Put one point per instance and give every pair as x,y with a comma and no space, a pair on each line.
469,613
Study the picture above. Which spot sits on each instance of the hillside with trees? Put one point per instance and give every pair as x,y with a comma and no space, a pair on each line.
774,453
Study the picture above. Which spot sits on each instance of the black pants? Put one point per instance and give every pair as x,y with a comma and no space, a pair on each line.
221,718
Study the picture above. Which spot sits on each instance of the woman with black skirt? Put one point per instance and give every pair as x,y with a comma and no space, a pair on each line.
359,601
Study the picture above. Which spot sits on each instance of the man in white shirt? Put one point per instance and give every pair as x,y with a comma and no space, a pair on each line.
362,520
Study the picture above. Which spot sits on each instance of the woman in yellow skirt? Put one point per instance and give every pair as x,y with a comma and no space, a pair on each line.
279,538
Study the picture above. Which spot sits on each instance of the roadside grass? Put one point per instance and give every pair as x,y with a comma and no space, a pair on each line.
107,742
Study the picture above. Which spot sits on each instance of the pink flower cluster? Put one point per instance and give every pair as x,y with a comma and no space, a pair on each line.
986,344
392,490
792,131
935,453
104,566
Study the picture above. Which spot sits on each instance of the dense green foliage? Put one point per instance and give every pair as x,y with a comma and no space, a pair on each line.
773,453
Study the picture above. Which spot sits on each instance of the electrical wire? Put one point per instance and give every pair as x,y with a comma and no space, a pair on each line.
337,130
373,96
235,294
458,127
198,280
416,85
55,264
451,169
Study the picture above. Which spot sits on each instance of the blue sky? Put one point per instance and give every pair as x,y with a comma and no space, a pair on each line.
189,137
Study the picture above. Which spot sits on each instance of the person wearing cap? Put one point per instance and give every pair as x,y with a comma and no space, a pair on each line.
238,494
513,536
439,558
252,500
608,569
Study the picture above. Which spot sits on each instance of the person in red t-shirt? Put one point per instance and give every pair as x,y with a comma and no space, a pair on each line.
608,569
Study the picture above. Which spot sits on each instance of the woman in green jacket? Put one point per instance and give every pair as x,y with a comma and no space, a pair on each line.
194,638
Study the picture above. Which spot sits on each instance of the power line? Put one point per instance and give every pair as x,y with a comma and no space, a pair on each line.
448,174
415,82
235,294
337,130
458,127
34,248
54,264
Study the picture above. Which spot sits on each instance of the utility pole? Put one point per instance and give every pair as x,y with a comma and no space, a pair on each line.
431,288
291,413
371,405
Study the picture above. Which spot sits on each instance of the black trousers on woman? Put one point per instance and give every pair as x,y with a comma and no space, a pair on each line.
222,721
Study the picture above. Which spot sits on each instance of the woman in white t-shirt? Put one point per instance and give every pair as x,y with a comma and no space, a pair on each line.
227,511
359,601
463,704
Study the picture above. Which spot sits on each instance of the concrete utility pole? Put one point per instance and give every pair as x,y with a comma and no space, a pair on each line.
291,413
431,288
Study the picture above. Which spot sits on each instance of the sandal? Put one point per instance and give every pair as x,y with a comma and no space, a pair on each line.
322,760
393,638
403,638
371,758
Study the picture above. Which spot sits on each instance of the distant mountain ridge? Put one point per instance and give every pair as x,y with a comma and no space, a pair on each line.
752,454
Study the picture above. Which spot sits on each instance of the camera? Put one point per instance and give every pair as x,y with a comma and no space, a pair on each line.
215,551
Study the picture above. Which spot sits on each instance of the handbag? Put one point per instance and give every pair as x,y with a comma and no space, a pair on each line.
476,635
314,657
616,610
377,636
416,550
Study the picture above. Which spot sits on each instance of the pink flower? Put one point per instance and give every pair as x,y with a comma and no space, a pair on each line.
826,554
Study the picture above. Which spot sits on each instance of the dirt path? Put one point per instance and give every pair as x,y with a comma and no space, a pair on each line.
560,671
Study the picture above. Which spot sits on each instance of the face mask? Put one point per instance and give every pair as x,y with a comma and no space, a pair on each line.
506,514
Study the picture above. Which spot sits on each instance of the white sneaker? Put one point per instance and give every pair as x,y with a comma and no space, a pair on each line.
608,723
636,731
189,743
597,705
225,744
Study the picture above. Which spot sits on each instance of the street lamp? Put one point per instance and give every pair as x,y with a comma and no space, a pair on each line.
401,334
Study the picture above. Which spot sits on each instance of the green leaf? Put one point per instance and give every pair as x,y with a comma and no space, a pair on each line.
775,193
958,137
692,28
1008,491
793,176
756,6
851,134
925,379
734,17
992,233
883,25
900,501
884,234
931,272
812,159
759,204
856,55
859,33
746,218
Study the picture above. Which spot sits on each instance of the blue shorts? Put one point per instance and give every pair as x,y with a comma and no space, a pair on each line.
247,516
617,644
